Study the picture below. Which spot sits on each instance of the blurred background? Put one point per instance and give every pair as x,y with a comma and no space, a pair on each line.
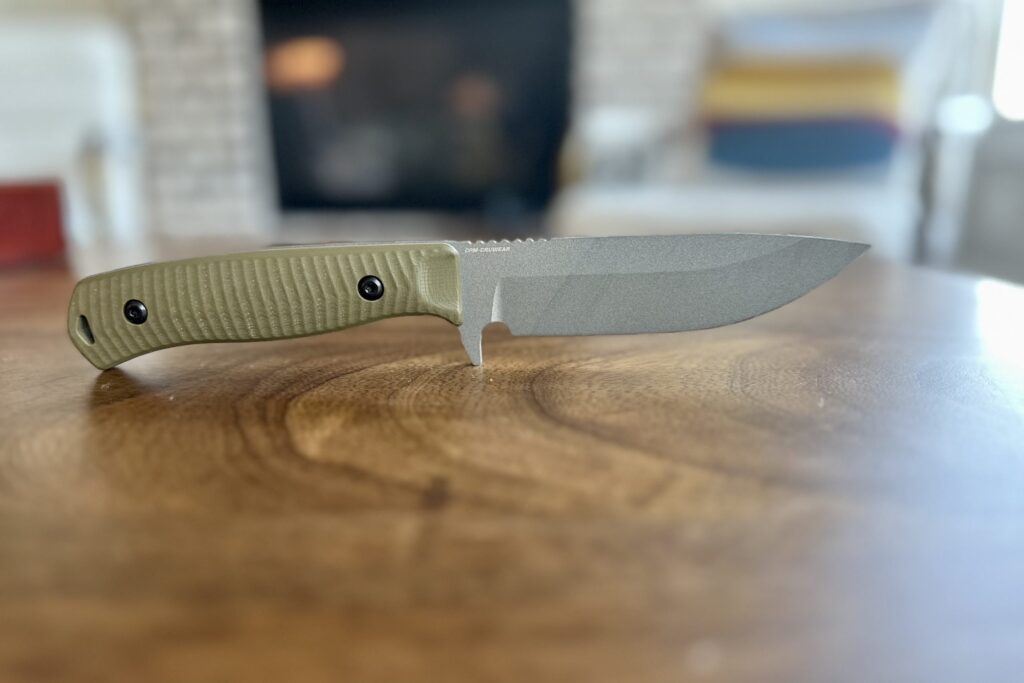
128,125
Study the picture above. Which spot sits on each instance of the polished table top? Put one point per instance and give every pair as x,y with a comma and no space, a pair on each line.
834,491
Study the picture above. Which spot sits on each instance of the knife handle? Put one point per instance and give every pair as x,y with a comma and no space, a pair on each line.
270,294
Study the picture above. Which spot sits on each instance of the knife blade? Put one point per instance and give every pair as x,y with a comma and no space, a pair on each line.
561,286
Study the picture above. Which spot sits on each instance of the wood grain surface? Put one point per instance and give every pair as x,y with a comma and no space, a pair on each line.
832,492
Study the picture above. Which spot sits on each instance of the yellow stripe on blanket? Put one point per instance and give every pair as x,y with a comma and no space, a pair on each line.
787,90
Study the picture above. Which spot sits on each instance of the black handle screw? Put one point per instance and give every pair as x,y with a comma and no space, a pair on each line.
135,312
371,288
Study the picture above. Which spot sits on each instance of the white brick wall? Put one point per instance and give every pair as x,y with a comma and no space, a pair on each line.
203,114
201,109
638,53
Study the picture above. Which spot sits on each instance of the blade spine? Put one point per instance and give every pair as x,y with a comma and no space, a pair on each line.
561,238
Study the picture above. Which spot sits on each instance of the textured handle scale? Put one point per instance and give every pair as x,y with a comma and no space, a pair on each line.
269,294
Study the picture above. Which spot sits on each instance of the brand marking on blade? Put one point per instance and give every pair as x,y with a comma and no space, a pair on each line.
496,246
499,248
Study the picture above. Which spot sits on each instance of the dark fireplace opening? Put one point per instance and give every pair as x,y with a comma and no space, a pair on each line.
458,105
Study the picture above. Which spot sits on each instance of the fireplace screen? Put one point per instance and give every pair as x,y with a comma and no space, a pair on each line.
417,104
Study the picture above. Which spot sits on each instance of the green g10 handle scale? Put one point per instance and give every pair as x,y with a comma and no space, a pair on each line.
566,286
270,294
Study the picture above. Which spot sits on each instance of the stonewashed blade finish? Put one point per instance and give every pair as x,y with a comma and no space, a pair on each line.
633,285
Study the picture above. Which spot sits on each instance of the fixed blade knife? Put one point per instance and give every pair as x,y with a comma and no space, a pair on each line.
560,286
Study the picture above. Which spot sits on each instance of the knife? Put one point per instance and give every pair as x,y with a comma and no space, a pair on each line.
561,286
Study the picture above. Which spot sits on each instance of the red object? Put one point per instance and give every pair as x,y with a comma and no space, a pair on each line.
30,223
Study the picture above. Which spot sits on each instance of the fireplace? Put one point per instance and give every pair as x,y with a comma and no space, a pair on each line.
457,106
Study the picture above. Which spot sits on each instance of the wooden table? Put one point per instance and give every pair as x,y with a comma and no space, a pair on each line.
832,492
